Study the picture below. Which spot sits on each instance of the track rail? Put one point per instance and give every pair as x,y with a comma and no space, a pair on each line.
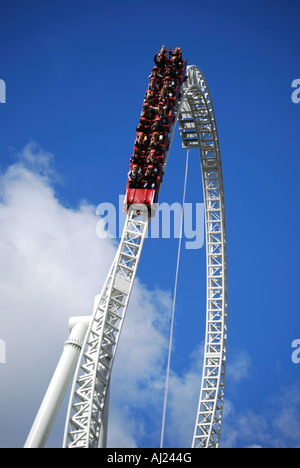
199,130
91,382
90,387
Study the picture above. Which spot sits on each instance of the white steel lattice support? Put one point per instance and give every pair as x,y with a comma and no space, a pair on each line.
90,386
198,130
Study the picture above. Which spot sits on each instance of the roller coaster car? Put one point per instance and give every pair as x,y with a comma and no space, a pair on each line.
145,196
150,196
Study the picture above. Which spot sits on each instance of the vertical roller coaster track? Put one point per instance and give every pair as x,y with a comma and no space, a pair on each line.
198,129
88,403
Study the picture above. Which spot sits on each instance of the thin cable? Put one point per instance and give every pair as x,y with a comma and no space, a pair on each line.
173,308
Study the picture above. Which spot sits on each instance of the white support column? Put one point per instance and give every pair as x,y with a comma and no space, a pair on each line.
59,384
89,395
199,130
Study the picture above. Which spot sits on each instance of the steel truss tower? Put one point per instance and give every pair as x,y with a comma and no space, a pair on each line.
90,386
87,412
199,130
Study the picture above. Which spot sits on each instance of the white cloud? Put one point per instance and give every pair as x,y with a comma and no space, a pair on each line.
275,425
183,401
238,367
52,264
51,267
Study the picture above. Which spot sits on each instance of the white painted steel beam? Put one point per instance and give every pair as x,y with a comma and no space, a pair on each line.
61,379
90,387
199,130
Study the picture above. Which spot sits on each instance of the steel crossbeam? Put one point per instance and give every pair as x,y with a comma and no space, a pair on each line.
198,130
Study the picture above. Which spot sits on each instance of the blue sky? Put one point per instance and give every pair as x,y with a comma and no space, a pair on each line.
75,75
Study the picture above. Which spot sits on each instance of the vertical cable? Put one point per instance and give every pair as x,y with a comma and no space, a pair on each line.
174,303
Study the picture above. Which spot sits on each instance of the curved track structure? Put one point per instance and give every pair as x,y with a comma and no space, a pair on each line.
89,394
199,130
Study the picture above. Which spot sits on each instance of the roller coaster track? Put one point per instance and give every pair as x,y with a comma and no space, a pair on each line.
199,130
89,392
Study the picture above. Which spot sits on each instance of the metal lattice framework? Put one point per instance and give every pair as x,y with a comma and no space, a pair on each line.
90,387
199,130
91,382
